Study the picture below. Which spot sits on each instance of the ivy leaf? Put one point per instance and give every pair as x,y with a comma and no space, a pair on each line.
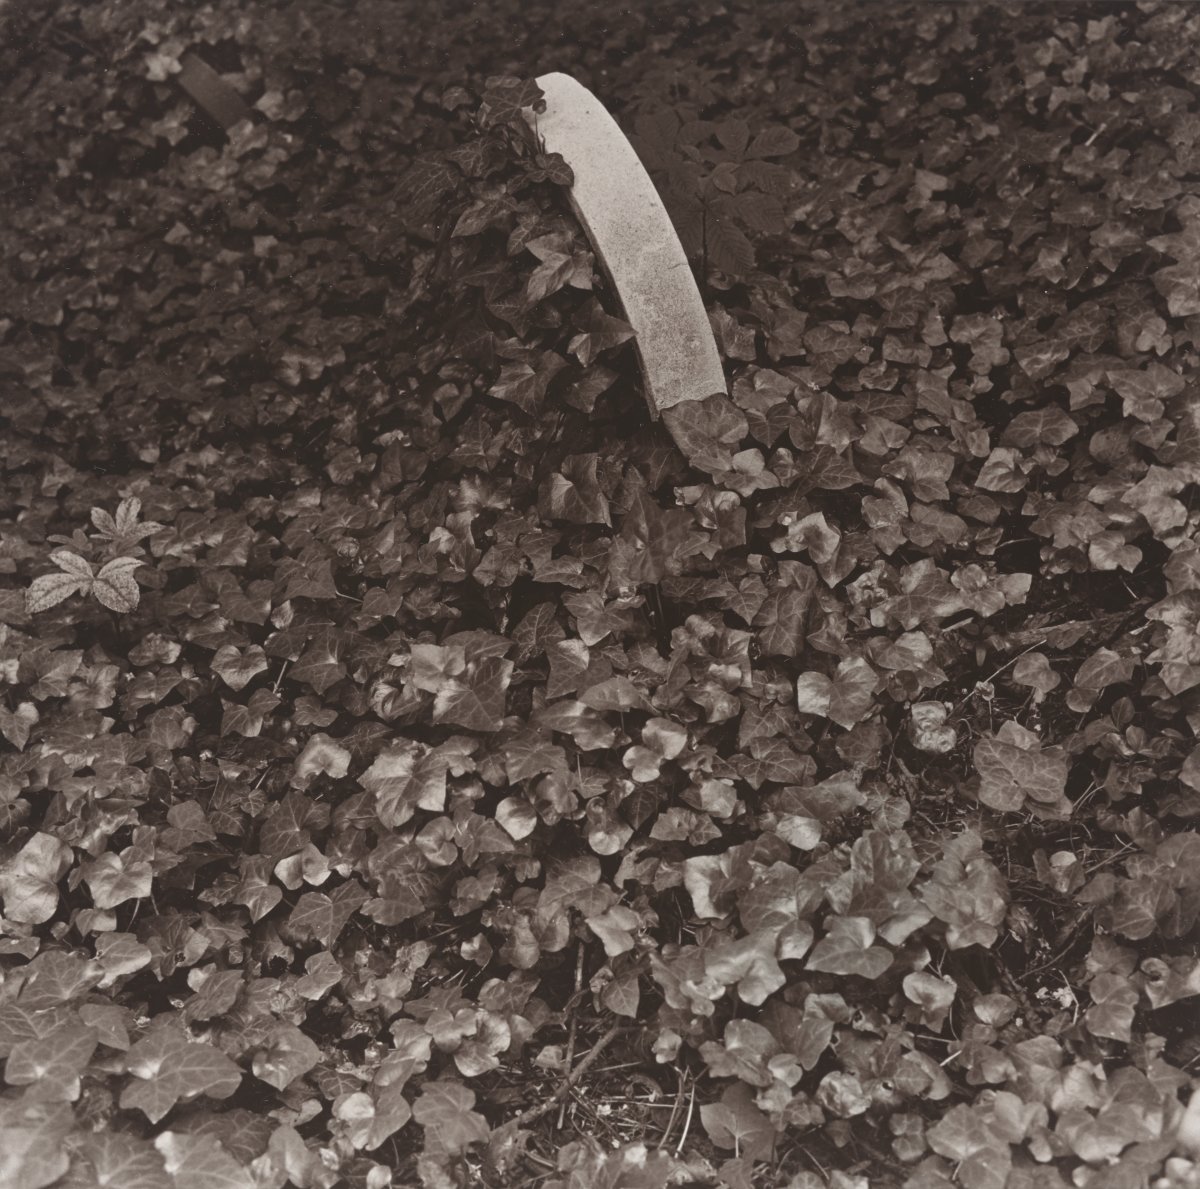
1102,669
168,1068
321,918
574,494
289,1054
322,756
525,386
476,702
707,431
16,725
615,927
451,1126
287,827
200,1162
749,963
112,881
847,949
621,996
320,666
538,631
846,699
743,1053
53,1064
247,720
967,893
322,972
1049,426
112,1158
932,994
237,668
1013,766
217,994
32,1152
505,97
28,881
598,332
781,618
736,1124
1113,1002
370,1119
403,778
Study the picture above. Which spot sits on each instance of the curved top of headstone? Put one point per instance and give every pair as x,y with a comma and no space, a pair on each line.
636,243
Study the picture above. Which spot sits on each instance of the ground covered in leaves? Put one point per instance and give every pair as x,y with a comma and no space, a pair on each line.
417,769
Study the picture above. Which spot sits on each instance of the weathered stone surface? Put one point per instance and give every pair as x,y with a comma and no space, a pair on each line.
211,92
633,237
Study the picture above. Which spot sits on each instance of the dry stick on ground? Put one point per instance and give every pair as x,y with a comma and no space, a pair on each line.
562,1105
544,1108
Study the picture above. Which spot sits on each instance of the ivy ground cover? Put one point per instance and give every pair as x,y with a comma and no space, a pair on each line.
418,768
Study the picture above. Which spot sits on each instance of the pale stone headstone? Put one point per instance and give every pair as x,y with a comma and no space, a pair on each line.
637,246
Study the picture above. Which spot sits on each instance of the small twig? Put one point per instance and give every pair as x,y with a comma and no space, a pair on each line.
687,1123
544,1108
571,1034
680,1078
1062,951
992,677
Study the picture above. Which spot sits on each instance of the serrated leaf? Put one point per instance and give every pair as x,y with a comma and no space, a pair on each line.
115,586
49,590
773,141
72,563
726,245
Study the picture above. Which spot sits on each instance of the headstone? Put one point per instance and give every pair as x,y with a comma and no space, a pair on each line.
632,235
